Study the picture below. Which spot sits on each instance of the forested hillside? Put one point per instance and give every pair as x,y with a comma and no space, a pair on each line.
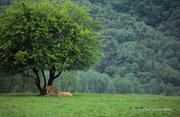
142,52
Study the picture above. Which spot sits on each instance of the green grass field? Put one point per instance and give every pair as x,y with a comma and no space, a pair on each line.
89,105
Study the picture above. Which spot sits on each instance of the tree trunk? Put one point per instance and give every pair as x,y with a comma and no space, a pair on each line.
52,77
38,82
42,92
50,81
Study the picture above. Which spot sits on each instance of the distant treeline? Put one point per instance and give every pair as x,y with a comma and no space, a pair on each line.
142,52
90,81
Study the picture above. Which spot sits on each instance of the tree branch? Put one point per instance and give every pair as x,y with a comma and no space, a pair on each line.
44,77
52,72
27,75
57,75
37,80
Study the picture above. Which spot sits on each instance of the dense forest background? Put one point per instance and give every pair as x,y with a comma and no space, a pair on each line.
142,52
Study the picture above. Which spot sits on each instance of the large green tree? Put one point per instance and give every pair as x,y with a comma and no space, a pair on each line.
44,35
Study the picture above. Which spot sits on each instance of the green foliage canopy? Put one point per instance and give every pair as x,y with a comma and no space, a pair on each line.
43,35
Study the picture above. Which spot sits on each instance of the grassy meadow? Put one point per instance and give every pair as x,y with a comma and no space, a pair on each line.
89,105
